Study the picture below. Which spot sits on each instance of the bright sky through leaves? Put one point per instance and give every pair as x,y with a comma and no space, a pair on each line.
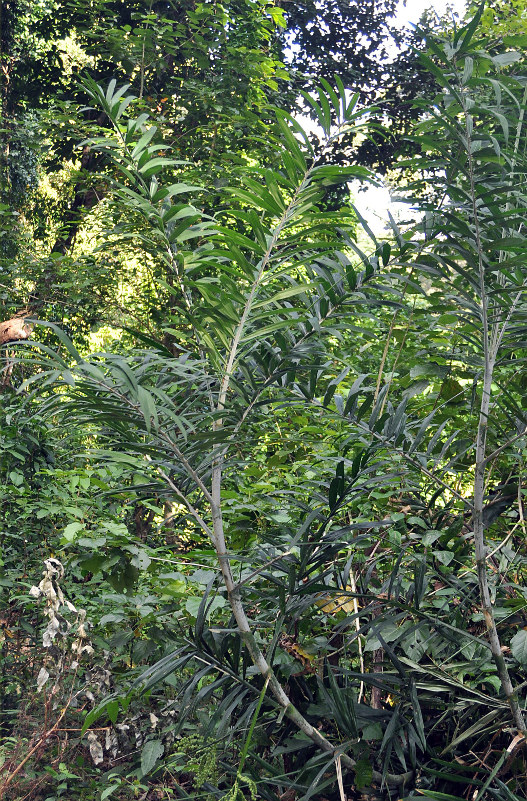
409,12
375,202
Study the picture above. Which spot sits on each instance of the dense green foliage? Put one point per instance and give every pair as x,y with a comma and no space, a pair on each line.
262,488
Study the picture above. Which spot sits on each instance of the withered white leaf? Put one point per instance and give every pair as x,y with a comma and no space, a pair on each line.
111,744
42,678
50,632
96,751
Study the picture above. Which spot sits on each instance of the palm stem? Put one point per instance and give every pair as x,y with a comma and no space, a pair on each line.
490,341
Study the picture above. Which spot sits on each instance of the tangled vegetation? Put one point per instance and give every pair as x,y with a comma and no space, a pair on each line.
262,466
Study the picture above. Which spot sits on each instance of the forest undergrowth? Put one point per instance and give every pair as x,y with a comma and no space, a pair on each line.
266,540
